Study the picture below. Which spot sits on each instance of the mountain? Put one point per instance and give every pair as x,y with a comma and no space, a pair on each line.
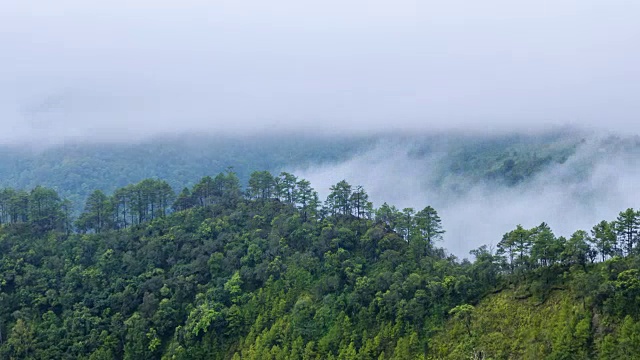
267,272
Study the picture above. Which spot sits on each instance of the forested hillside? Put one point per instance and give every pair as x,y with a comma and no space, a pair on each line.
269,271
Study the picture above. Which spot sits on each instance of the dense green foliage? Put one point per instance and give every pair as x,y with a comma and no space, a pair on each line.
270,272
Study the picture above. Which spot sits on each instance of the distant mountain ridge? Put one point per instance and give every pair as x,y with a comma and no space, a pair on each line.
76,169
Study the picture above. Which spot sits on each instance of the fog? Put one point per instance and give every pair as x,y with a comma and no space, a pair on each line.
121,70
74,70
592,185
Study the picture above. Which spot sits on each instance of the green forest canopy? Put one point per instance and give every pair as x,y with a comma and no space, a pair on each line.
271,272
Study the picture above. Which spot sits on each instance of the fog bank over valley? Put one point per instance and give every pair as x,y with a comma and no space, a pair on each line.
595,183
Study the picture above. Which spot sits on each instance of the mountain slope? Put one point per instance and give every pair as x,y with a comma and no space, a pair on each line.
268,273
584,315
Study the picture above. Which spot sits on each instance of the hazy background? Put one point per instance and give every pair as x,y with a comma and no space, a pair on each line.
78,70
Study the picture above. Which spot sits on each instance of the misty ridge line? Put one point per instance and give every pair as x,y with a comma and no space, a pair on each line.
581,184
29,134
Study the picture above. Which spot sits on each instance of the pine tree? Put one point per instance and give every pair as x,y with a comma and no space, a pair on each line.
627,227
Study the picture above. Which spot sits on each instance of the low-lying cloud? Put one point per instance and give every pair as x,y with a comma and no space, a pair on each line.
592,185
78,70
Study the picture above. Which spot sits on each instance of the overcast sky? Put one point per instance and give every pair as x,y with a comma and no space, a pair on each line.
121,69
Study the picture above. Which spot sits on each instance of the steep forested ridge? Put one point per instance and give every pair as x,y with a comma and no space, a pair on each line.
271,272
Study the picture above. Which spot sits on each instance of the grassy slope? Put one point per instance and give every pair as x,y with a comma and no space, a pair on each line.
504,326
575,320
